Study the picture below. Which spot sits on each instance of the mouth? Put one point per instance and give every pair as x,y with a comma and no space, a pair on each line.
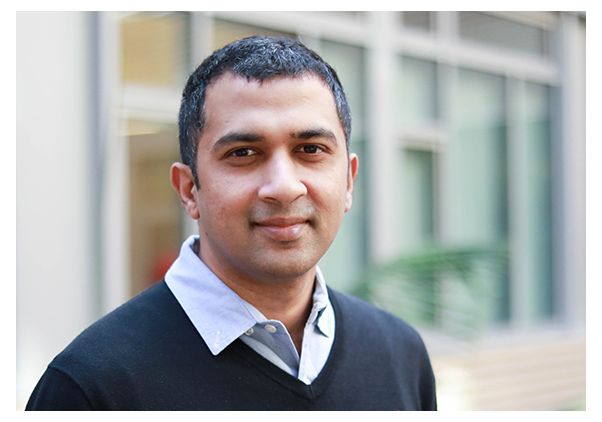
282,229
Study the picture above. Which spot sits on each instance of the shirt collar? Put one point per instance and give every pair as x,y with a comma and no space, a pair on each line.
217,312
322,314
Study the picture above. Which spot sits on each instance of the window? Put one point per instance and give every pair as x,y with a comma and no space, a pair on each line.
153,49
478,185
225,32
424,21
534,204
416,104
416,93
419,206
154,68
490,29
155,215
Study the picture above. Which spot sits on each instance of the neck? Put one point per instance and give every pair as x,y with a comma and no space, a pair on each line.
288,301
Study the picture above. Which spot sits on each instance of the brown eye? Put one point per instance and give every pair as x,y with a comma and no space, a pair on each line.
243,152
311,149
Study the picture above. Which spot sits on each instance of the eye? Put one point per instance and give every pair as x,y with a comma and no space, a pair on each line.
311,149
242,152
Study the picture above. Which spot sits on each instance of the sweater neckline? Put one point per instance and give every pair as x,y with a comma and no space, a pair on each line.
319,385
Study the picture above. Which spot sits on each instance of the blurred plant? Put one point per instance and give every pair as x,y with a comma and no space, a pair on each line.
456,290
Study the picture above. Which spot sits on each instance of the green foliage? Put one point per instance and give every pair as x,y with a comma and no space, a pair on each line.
457,290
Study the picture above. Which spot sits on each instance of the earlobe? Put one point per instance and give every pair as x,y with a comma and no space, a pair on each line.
351,175
183,183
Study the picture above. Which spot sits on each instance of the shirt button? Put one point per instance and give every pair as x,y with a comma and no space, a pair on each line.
270,328
249,331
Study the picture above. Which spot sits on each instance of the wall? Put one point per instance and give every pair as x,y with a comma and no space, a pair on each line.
54,101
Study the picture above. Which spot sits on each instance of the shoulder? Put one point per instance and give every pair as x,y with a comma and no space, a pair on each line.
106,356
132,318
123,336
388,346
57,391
381,326
395,349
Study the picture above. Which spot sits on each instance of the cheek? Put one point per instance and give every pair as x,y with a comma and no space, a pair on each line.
330,196
223,205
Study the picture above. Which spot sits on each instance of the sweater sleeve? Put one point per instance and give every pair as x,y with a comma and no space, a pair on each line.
57,391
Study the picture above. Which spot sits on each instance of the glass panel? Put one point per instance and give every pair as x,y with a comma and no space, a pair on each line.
504,33
155,213
538,201
480,158
416,92
478,180
348,62
418,199
225,32
418,295
346,258
154,49
419,20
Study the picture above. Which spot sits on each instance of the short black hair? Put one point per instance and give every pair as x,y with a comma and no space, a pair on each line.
258,58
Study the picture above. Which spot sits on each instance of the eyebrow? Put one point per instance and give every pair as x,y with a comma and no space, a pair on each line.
307,134
316,133
233,137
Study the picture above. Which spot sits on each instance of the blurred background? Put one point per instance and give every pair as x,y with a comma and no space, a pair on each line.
469,211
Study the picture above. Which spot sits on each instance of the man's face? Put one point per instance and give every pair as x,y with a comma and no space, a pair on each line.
275,177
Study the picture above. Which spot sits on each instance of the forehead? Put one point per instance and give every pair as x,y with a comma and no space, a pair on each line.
273,106
231,90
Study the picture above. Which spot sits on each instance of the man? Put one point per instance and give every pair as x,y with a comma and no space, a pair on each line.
243,319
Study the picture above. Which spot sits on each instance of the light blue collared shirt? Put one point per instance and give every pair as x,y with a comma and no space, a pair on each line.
221,316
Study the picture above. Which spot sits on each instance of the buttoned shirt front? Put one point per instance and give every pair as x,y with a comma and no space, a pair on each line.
221,316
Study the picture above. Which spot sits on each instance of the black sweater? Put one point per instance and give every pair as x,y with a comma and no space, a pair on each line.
147,355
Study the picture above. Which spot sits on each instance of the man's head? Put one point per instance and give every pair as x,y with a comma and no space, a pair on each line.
255,58
268,174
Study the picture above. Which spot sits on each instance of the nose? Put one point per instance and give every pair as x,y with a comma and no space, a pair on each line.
281,183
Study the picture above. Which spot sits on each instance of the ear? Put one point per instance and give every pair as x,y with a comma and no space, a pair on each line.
351,175
183,183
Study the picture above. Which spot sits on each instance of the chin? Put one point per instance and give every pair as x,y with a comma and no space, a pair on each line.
287,269
285,273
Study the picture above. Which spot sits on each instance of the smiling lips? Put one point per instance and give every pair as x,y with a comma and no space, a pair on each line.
282,229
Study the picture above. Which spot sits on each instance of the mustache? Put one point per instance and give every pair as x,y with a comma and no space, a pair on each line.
268,212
